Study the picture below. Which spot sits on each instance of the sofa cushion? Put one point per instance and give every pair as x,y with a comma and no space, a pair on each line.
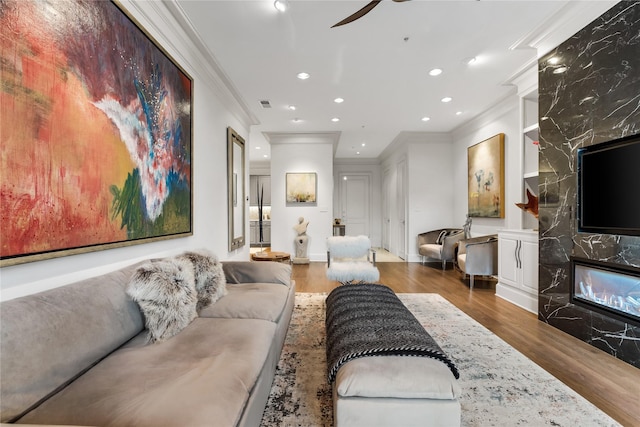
441,236
462,260
51,337
431,250
202,376
165,291
264,301
397,376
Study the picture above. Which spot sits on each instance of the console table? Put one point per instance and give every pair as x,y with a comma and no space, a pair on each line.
271,256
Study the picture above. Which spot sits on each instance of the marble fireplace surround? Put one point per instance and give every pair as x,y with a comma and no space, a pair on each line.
595,99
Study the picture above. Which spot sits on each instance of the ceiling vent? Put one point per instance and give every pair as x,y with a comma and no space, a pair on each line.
265,104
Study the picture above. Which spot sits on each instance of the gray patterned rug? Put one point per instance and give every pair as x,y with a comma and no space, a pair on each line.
500,386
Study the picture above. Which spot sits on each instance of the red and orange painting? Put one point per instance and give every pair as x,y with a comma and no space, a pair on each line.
95,132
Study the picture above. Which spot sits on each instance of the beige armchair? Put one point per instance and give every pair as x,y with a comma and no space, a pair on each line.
478,256
439,244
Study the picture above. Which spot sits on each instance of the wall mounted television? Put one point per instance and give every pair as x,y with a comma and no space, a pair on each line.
609,187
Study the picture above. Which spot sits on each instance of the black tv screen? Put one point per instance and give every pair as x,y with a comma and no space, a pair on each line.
609,187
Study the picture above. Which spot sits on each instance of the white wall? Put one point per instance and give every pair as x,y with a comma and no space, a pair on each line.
431,191
214,109
302,157
502,118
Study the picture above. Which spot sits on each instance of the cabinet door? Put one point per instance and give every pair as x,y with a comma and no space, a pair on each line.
507,262
266,233
529,254
265,183
254,233
253,190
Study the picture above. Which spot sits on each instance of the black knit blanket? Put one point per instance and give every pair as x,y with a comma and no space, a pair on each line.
370,320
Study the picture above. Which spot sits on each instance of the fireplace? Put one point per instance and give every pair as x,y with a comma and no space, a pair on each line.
607,288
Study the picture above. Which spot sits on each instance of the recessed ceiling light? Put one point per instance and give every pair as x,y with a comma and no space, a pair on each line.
358,153
265,156
303,76
470,60
281,5
335,119
426,119
559,70
338,100
363,144
435,72
258,148
458,113
296,120
446,99
292,107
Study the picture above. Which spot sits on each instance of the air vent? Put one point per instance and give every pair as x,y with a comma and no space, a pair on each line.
265,103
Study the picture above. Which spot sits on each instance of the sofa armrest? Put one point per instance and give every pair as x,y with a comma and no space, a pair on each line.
449,244
257,272
481,255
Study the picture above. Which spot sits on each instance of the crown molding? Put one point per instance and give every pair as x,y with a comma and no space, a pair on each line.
568,20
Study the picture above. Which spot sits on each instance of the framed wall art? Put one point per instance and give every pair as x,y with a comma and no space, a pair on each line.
301,188
96,132
486,178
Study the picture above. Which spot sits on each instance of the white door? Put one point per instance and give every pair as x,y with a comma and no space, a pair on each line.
354,197
387,196
400,202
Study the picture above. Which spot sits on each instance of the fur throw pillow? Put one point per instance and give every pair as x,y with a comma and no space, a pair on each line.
164,290
210,281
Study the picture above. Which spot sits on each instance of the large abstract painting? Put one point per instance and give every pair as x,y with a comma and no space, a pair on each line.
95,132
486,178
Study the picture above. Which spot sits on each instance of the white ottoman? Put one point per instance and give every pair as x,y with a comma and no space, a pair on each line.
395,391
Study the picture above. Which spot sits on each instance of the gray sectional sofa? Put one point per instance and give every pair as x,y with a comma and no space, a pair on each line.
77,355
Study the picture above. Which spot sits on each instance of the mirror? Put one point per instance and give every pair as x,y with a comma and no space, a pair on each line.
235,186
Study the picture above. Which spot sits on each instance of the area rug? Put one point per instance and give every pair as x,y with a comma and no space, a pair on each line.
500,386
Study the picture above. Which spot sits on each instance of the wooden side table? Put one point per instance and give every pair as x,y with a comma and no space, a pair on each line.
271,256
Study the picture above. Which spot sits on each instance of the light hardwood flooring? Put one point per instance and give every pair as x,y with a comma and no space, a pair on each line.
610,384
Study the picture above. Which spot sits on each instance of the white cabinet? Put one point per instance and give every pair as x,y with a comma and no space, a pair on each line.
257,182
518,268
254,233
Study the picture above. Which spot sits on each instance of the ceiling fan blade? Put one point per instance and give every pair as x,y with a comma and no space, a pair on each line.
358,14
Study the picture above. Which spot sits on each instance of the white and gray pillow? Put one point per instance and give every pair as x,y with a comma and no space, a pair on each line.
171,292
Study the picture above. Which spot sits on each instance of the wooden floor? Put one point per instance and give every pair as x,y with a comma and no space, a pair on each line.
610,384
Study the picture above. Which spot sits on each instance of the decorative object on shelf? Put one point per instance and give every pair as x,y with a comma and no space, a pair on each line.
486,178
98,153
337,221
532,204
301,241
360,13
301,188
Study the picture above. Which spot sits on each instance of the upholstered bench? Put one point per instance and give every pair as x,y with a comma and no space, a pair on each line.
385,368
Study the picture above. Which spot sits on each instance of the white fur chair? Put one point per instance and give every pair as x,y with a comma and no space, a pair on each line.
351,259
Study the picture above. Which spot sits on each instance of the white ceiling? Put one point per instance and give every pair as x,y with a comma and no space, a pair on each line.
379,64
